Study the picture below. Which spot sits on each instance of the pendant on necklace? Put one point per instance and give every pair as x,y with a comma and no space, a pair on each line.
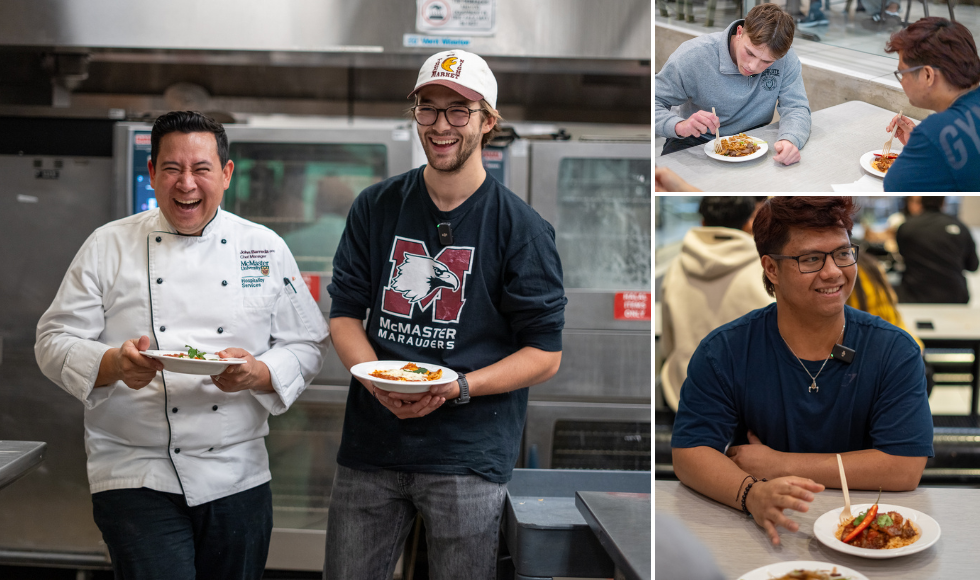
813,386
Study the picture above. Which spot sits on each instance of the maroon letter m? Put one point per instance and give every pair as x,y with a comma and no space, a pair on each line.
417,279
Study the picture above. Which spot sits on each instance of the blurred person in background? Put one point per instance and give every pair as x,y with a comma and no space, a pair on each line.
936,248
679,555
177,462
939,70
715,279
666,180
745,73
754,382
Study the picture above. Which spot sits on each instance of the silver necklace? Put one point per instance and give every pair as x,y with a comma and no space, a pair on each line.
813,385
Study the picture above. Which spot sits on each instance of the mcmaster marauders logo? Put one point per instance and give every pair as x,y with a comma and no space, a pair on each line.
418,280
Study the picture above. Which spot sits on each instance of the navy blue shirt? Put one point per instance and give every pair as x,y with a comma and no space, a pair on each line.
943,152
743,377
495,290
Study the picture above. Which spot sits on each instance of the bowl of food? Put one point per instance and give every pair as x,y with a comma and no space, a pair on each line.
891,531
192,361
736,148
403,376
874,163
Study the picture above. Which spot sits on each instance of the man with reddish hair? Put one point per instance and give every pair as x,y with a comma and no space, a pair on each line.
745,73
939,70
772,397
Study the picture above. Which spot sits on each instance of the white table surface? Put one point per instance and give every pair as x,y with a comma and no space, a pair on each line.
738,545
839,136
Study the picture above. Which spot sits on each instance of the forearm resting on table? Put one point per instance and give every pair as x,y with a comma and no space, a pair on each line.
710,473
865,469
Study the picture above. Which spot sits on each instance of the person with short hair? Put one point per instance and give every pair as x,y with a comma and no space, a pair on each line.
745,73
773,396
440,265
177,463
714,280
939,70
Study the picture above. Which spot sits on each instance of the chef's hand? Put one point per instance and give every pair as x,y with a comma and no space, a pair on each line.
407,405
767,500
757,458
698,123
126,364
905,126
786,152
254,374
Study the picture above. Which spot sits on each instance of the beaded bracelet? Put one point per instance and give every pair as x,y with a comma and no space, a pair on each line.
746,493
740,486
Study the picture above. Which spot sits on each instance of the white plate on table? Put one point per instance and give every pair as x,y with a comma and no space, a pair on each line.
363,371
825,529
212,365
782,568
868,157
709,150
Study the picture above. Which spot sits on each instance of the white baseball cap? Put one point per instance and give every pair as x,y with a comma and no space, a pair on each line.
461,71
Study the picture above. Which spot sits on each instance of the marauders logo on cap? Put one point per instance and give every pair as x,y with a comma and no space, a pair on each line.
461,71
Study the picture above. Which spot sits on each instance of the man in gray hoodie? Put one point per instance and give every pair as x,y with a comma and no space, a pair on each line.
745,73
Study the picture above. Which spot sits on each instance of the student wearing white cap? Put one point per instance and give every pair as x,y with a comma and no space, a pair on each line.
440,265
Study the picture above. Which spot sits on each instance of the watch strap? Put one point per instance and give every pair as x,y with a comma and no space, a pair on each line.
464,390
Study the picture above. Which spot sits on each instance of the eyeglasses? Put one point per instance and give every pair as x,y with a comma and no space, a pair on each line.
457,116
815,261
899,73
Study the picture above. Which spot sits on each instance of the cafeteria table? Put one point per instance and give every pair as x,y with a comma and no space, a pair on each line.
839,136
738,545
17,458
621,522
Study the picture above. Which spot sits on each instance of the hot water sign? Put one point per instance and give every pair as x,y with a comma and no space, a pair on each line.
632,306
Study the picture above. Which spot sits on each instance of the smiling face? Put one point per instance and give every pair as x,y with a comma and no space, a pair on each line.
751,59
449,148
188,180
820,293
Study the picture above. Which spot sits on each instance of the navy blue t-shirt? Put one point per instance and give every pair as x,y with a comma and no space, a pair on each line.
943,152
496,289
744,377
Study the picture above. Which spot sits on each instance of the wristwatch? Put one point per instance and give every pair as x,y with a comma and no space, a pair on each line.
464,391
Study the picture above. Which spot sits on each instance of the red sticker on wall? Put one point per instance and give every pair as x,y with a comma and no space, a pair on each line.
632,306
313,283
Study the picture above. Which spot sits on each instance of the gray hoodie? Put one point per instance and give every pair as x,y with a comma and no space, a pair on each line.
700,75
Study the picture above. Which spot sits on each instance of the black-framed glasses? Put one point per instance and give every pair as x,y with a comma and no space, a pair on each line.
815,261
899,73
458,115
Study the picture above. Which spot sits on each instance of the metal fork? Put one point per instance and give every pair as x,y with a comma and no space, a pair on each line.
845,515
884,155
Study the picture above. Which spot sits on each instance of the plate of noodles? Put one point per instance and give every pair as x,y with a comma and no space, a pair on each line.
875,164
803,570
885,535
737,148
403,376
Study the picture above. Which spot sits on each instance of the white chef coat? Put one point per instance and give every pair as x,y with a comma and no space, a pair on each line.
237,285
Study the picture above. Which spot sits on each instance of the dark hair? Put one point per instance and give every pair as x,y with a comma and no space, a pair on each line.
933,202
770,25
187,122
779,214
726,211
939,43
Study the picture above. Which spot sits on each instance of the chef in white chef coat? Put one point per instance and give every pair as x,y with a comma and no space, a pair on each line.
177,463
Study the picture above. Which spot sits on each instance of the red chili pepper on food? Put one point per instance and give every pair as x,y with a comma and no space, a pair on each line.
868,518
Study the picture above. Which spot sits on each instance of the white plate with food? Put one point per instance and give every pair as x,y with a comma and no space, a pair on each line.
867,161
402,376
827,529
814,571
186,362
735,145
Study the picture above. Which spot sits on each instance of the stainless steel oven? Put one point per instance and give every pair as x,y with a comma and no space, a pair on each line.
595,412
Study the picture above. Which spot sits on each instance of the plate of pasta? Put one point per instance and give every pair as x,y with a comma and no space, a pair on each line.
875,164
402,376
889,526
737,148
803,570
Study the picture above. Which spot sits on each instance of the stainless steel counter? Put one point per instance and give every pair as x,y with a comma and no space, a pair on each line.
739,545
17,458
621,521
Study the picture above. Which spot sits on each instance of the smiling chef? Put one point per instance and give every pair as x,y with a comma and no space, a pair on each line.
177,464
